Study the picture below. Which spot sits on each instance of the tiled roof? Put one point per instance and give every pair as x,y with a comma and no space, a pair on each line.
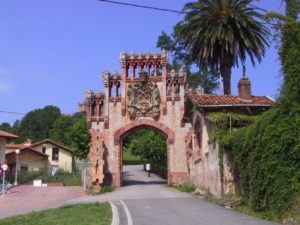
51,142
7,135
229,100
10,151
14,146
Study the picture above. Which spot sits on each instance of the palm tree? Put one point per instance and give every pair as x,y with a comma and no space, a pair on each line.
219,33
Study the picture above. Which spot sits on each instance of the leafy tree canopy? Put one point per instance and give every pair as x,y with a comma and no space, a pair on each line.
80,137
175,45
37,124
149,145
219,34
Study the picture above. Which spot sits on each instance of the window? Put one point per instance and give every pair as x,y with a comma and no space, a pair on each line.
24,167
44,150
55,153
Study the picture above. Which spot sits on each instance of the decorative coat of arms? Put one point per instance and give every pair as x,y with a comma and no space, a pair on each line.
143,98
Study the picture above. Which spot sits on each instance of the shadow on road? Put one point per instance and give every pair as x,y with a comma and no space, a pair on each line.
135,175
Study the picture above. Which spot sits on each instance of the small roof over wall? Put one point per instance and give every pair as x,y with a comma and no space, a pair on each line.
7,135
229,100
12,151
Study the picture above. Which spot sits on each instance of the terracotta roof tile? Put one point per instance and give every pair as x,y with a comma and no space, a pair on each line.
7,135
229,100
10,151
14,146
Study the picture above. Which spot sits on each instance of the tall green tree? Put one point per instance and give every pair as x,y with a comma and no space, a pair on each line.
61,130
5,127
175,45
80,136
220,33
37,124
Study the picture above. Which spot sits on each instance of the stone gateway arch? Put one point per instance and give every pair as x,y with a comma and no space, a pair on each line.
146,95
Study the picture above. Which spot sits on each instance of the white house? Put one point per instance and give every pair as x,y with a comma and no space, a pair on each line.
59,156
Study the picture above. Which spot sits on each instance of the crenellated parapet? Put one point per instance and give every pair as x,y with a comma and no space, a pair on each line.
175,84
153,64
94,106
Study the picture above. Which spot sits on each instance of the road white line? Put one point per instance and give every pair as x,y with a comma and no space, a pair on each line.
115,213
128,215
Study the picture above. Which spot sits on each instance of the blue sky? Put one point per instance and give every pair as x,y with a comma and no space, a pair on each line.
52,51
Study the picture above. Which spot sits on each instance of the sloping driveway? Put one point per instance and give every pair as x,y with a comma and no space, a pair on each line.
143,201
148,201
26,198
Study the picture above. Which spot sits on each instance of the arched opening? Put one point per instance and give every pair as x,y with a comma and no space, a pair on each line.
124,132
144,148
197,138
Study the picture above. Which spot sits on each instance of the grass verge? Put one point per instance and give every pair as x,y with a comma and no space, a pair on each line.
129,159
82,214
183,187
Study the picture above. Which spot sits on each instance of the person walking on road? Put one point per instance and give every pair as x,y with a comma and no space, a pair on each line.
148,169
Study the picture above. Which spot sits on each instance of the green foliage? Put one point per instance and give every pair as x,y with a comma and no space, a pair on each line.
219,34
290,67
225,124
149,145
82,214
183,187
266,215
106,189
61,128
174,44
24,177
80,137
27,177
5,126
267,157
129,159
160,169
37,124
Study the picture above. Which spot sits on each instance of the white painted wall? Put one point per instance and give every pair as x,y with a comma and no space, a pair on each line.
64,158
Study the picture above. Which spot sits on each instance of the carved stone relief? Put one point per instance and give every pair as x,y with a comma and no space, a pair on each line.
143,99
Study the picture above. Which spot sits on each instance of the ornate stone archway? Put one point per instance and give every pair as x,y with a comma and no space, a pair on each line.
144,94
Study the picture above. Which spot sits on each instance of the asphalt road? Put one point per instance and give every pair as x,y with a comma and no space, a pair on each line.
148,201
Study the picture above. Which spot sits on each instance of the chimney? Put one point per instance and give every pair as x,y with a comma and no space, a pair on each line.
244,87
28,142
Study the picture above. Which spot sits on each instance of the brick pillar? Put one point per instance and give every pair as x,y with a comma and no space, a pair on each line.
96,173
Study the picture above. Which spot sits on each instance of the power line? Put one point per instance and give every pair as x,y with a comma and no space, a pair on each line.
142,6
12,112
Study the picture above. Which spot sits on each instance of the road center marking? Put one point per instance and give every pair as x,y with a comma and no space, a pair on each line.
128,215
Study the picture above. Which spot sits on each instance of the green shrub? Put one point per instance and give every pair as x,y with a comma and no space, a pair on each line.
27,177
183,187
106,188
160,170
129,159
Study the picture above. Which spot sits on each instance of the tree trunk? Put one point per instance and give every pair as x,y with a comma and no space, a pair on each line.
225,68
